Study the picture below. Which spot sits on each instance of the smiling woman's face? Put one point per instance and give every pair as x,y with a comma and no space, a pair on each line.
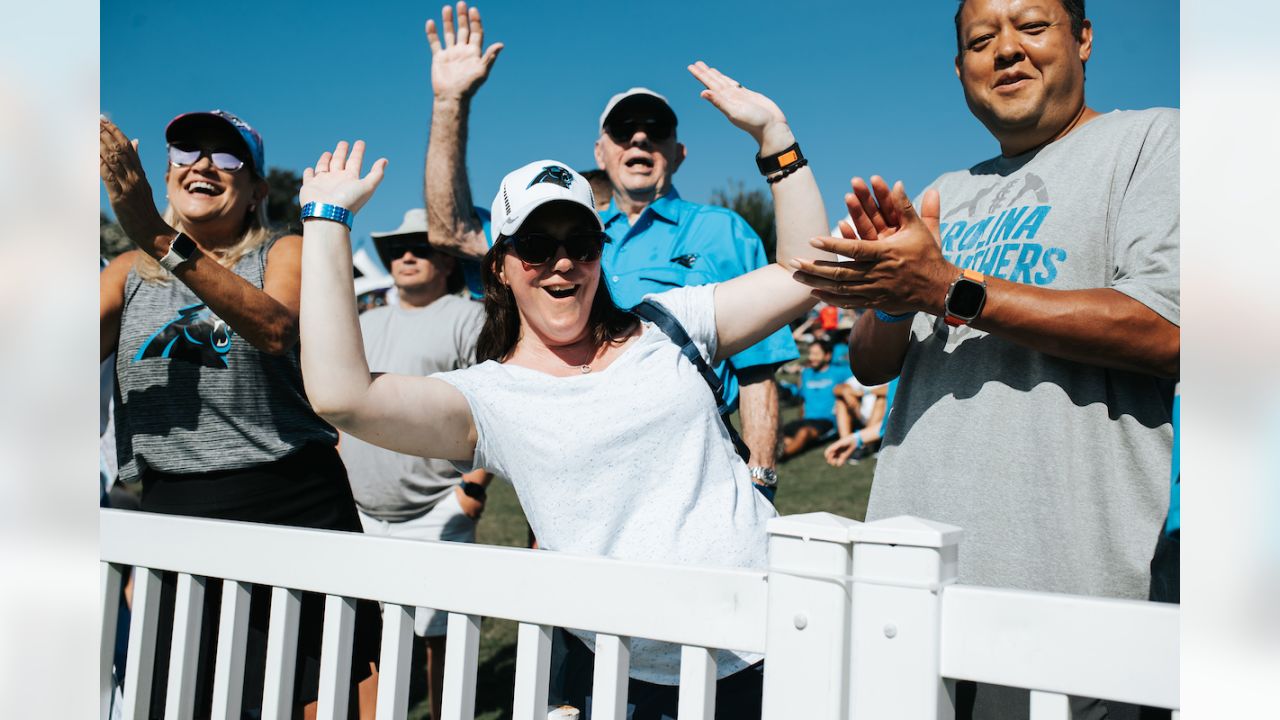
555,297
202,193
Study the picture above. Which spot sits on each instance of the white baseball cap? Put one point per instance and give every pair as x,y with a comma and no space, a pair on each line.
526,189
639,96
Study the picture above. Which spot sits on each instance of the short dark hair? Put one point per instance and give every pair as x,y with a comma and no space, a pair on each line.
1074,8
827,346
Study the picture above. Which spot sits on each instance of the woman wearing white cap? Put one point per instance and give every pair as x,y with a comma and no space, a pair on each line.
609,435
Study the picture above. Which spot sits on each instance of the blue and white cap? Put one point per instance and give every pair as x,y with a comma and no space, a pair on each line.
526,189
192,124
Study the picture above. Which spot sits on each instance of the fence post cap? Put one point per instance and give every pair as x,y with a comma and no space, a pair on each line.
814,526
906,530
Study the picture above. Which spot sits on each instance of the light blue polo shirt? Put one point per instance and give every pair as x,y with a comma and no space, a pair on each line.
676,243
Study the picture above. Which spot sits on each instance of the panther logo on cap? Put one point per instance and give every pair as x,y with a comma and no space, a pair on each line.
552,174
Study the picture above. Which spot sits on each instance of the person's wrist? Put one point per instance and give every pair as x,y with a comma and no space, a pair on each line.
160,238
775,137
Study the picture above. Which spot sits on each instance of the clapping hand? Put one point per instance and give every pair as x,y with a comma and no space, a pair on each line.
458,65
336,180
897,266
759,116
127,186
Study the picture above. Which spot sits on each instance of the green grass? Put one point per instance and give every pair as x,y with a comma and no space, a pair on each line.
806,484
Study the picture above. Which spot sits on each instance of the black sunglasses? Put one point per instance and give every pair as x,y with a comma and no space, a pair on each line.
623,130
538,248
420,250
182,155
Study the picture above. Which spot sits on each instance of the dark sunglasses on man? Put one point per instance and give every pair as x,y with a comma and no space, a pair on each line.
420,250
623,130
537,248
183,155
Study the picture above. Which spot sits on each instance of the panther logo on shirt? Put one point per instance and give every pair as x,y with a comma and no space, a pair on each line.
196,336
553,174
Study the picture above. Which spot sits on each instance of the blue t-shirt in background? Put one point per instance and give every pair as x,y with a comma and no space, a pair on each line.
816,388
1174,522
676,243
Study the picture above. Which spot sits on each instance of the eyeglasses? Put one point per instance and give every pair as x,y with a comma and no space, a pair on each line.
623,130
537,248
422,251
184,155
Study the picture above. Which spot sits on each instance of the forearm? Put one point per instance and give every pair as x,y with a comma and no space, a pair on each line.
758,408
1101,327
799,213
479,476
877,349
334,369
452,221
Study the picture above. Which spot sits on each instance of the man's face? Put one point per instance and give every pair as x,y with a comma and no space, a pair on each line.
639,154
415,264
1022,69
818,357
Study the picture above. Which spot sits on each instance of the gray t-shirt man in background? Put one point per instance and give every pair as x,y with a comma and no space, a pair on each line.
1035,399
429,328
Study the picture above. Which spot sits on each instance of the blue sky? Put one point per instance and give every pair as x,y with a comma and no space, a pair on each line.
868,87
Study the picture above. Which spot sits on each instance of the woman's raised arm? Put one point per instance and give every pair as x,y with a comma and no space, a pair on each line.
750,307
412,415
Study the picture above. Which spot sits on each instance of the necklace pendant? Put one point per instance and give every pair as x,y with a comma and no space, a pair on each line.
585,369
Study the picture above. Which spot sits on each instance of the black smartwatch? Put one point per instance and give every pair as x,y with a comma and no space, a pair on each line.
781,161
180,250
475,491
965,298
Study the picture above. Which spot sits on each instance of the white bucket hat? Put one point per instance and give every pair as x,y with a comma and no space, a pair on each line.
656,104
526,189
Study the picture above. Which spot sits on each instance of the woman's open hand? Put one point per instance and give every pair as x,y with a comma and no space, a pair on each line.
127,187
335,179
759,116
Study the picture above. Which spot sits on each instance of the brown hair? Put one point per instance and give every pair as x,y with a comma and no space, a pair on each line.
606,323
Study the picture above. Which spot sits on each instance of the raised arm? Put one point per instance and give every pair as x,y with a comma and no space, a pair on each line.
750,307
412,415
267,318
905,272
458,69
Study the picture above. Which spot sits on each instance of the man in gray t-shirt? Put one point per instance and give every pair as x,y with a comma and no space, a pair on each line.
1031,308
429,328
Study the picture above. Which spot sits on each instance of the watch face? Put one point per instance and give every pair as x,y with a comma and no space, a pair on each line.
966,299
183,246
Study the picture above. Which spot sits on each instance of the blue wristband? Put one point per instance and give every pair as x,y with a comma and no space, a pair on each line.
885,317
324,211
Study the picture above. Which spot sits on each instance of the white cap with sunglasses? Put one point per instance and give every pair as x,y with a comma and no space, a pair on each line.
526,189
649,103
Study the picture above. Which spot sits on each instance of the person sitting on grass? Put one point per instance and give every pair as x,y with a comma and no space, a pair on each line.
817,421
862,441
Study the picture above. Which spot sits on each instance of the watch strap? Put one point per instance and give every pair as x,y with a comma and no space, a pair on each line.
181,248
780,161
325,211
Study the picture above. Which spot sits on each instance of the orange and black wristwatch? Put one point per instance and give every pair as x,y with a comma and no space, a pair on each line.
965,298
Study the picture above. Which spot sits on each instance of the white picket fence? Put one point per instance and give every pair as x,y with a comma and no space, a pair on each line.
856,620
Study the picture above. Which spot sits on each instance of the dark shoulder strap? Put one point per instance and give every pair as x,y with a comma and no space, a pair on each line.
659,315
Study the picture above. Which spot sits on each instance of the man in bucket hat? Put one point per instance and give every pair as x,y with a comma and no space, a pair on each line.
427,328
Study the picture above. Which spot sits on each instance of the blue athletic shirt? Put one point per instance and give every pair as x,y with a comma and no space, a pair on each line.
816,389
1174,522
676,243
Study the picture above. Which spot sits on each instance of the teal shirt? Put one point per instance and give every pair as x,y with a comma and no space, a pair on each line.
676,243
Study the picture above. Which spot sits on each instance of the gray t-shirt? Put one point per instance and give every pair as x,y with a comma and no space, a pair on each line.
410,341
1057,471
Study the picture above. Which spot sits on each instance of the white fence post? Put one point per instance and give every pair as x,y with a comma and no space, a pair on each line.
900,566
806,633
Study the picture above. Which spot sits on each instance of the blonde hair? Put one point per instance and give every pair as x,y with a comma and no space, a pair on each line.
256,233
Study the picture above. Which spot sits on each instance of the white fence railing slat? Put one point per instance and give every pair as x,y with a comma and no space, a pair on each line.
609,680
233,634
697,683
1123,650
533,667
282,650
393,665
335,657
461,654
184,653
142,643
1049,706
111,579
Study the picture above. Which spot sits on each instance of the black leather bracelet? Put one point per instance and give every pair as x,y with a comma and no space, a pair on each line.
475,491
787,171
781,161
